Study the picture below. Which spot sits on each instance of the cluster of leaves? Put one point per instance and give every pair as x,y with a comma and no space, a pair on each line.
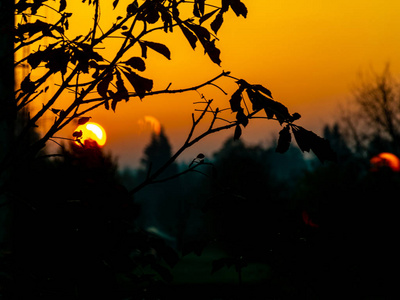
140,84
306,140
57,56
193,32
26,9
261,99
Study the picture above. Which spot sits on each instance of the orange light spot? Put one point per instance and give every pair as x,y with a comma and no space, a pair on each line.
387,160
151,121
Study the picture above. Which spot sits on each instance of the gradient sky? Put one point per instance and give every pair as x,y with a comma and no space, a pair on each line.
308,53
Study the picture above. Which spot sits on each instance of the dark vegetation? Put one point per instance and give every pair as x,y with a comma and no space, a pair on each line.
249,222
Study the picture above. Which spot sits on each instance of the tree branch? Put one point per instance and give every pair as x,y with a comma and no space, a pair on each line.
167,90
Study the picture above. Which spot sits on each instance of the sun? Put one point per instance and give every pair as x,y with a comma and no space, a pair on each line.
90,132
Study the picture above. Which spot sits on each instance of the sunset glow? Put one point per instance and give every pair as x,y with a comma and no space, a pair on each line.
308,53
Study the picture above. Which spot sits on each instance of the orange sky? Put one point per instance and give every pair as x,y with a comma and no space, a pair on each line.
308,53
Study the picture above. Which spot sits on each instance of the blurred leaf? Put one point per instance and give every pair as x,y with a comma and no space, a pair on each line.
27,86
295,117
77,134
200,156
284,140
115,3
238,132
136,63
83,120
160,48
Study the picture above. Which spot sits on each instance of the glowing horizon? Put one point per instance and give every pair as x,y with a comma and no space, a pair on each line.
308,53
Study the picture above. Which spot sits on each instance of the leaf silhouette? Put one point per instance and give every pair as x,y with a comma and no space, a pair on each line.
27,86
198,9
239,8
257,100
132,8
192,39
160,48
102,87
150,14
204,37
57,60
140,84
208,15
308,140
262,89
271,107
136,63
144,49
238,132
167,19
33,28
295,117
121,89
242,118
217,23
224,5
236,98
213,52
284,140
77,134
63,5
115,3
